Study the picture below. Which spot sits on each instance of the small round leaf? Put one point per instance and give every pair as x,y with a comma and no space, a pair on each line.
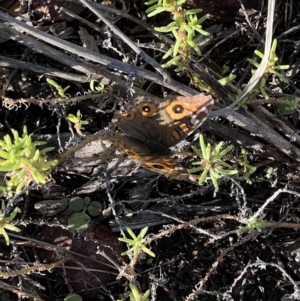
95,208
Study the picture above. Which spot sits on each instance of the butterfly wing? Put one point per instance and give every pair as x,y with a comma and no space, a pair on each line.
151,126
161,164
184,115
131,147
165,122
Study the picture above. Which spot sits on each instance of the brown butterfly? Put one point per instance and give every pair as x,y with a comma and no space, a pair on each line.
150,127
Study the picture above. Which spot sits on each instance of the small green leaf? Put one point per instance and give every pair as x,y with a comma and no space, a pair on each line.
4,154
79,221
150,2
147,251
37,176
95,208
5,236
86,201
12,228
193,11
76,204
11,216
158,10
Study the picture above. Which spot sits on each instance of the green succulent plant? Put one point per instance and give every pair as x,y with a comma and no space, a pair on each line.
78,122
137,242
212,164
79,220
272,68
60,90
22,162
5,223
185,27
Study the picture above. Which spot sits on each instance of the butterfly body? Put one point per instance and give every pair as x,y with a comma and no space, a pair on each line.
150,127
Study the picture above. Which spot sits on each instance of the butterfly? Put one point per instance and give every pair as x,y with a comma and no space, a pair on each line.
151,126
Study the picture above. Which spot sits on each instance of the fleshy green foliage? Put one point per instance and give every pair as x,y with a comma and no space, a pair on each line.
5,223
211,163
243,104
22,162
184,28
290,105
226,80
248,170
60,90
135,294
271,68
79,221
269,173
253,224
137,242
96,89
77,119
78,123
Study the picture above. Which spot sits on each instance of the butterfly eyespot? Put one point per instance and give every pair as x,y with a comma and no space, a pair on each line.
176,110
166,164
158,166
147,109
128,115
